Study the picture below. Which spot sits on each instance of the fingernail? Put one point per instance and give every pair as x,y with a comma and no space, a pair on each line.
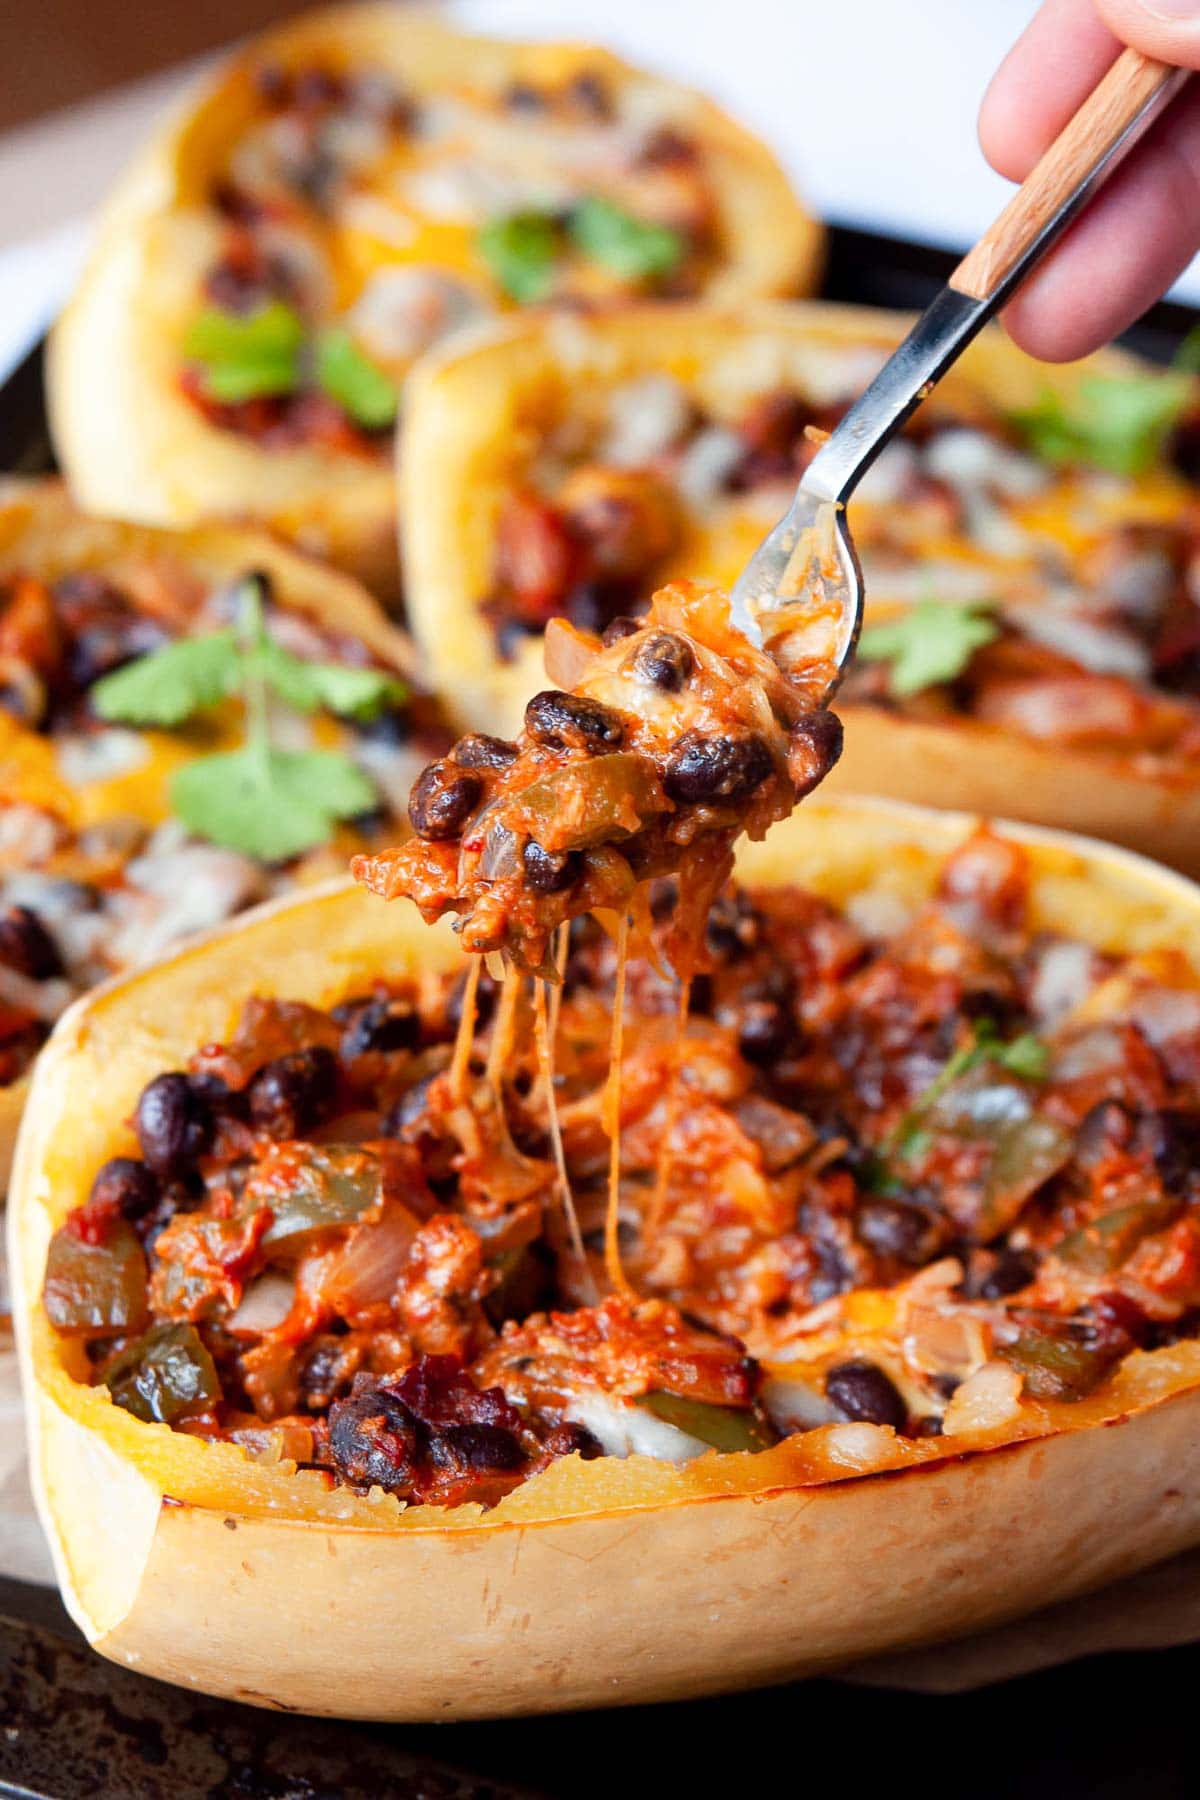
1171,10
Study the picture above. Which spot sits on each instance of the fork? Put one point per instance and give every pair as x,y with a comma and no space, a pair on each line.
801,594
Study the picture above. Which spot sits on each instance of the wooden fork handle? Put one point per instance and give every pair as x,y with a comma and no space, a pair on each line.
1087,144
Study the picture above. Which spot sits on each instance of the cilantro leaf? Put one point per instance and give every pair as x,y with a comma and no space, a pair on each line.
360,387
247,355
1026,1057
636,249
309,686
930,642
1117,422
167,686
521,250
269,803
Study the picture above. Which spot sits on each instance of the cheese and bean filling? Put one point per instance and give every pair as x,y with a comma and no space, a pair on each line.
1037,573
98,873
911,1169
356,224
670,736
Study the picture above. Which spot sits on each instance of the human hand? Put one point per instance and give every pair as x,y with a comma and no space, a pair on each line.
1144,227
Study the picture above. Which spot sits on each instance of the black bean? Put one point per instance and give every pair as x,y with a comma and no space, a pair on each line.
125,1186
442,800
476,1447
407,1115
1174,1137
26,945
733,928
593,605
109,643
294,1093
373,1439
550,871
379,1027
861,1391
485,1001
523,96
833,1275
930,1425
764,1031
702,768
557,720
174,1125
1011,1271
478,750
621,627
892,1228
664,661
273,83
221,1100
390,725
590,91
569,1437
511,635
814,745
316,88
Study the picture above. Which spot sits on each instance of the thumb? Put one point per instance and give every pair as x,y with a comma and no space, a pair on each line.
1166,29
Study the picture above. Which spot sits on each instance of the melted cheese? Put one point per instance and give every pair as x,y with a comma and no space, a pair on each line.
612,1119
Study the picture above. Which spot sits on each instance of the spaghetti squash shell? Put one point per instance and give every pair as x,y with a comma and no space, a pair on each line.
595,1583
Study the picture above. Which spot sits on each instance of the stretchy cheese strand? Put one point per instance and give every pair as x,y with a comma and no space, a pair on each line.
460,1062
665,1158
612,1121
545,1051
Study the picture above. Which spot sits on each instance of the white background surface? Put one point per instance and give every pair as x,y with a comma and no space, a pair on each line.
870,103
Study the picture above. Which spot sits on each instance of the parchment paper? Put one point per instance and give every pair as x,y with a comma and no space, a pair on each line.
1150,1611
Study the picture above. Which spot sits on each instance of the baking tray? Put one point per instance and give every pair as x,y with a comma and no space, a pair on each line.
1111,1728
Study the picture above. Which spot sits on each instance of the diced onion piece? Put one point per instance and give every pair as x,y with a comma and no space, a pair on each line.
265,1304
707,464
368,1270
646,416
87,756
858,1445
567,652
795,1405
625,1430
988,1398
1102,649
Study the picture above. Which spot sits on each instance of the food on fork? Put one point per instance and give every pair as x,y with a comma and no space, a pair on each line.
670,736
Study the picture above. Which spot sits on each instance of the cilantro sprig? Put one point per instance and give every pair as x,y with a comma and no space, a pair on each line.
931,642
636,249
1119,423
259,799
1024,1056
268,353
522,249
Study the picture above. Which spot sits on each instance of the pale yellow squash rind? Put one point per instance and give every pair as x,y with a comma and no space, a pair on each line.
129,441
594,1583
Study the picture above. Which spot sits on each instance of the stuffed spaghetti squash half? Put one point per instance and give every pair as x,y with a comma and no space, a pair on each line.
342,194
1029,545
623,1345
135,806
